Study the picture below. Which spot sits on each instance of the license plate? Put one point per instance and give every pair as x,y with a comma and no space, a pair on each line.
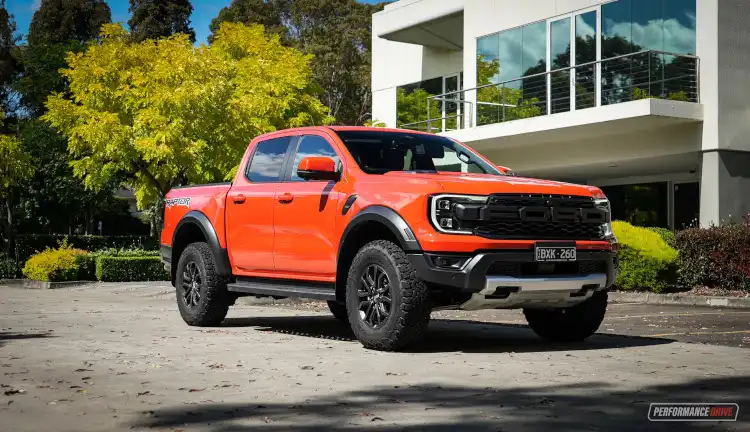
554,253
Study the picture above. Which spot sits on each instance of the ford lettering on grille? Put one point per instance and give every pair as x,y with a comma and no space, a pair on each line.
537,217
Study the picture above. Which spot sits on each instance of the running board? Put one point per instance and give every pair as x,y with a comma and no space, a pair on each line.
284,288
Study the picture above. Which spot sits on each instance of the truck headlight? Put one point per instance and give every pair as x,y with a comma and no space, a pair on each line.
452,214
603,203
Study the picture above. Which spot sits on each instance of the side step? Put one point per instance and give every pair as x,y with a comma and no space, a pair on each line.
284,288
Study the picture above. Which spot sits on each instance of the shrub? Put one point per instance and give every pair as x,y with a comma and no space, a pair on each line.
666,234
59,265
130,269
8,268
646,260
716,257
29,244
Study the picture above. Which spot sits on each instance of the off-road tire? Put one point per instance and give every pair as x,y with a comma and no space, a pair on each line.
338,310
572,324
410,304
214,300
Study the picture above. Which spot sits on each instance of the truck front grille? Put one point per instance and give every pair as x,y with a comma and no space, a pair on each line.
542,217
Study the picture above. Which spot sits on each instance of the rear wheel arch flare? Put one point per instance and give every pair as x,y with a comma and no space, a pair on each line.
196,227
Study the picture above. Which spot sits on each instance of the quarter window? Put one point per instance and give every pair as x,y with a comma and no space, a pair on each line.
312,145
267,161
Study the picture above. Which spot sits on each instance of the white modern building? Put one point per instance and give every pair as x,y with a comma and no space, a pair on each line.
648,99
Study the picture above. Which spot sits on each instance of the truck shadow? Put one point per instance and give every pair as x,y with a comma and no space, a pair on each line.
596,405
8,336
447,335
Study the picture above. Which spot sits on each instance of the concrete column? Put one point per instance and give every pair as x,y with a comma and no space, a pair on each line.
725,186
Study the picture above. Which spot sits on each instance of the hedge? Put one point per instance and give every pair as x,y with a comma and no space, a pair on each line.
130,269
29,244
59,265
715,257
646,260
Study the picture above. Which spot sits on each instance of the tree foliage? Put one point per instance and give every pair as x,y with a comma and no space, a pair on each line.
15,167
167,113
336,32
64,21
153,19
8,64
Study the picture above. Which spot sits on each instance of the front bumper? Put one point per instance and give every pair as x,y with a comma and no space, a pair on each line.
490,290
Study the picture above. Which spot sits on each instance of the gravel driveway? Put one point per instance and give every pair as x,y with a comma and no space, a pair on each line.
118,357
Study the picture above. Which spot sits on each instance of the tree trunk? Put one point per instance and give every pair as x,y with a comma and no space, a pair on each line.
6,218
157,217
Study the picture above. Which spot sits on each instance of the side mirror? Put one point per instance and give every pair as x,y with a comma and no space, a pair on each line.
318,168
505,170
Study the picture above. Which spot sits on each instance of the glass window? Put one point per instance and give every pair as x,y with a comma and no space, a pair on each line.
616,29
586,27
534,61
510,55
312,145
488,60
267,160
560,58
379,152
640,204
411,103
679,26
647,27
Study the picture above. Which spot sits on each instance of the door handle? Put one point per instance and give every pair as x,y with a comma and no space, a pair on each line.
286,198
239,199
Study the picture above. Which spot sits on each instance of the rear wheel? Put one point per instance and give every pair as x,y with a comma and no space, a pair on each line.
339,311
388,306
202,295
572,324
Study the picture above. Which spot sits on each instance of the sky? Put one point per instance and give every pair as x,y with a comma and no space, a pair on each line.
204,11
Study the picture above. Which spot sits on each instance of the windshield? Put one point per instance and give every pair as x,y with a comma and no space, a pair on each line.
379,152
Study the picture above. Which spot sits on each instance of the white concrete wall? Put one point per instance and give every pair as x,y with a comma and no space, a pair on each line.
724,51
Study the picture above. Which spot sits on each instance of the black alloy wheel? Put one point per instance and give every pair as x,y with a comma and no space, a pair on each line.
375,299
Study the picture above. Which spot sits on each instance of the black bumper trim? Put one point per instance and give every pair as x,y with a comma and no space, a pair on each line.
472,278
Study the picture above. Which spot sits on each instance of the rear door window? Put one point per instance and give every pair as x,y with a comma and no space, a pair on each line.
268,160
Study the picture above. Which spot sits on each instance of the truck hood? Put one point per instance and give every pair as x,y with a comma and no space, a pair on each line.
486,184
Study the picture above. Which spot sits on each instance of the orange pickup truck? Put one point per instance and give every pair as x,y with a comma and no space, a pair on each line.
387,225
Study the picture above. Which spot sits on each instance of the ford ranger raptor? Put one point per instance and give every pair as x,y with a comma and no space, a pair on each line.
387,225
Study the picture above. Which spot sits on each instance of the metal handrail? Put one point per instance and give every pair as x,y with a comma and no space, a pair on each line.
457,96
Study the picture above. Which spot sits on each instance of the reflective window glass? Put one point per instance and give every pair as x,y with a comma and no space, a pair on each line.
312,145
560,58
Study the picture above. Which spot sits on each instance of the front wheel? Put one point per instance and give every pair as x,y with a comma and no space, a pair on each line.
202,295
388,306
572,324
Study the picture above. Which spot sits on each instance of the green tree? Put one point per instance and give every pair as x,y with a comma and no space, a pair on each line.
8,64
336,32
153,19
64,21
54,200
40,74
15,167
135,114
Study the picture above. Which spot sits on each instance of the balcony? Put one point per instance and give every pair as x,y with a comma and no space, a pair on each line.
573,96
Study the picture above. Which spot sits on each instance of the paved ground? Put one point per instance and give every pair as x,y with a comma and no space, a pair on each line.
118,357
